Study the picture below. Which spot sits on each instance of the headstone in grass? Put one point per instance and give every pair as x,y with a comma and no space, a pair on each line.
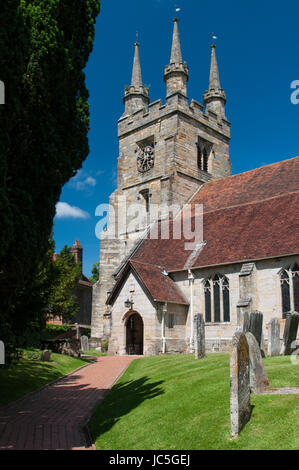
199,336
273,337
84,343
46,355
254,324
257,373
240,409
2,353
290,333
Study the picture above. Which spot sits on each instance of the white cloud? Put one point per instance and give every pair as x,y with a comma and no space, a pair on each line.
65,211
82,185
82,181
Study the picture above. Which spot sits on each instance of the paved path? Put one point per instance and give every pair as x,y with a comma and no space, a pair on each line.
281,391
55,416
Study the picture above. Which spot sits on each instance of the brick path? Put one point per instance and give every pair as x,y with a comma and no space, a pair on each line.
55,416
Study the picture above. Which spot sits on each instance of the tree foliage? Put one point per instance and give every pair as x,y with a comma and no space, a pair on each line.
95,273
44,48
62,301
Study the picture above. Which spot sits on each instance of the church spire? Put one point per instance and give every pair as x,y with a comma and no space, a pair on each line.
215,98
176,74
214,82
136,95
136,72
176,54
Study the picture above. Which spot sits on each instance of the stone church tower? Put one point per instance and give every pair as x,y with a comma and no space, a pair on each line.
166,152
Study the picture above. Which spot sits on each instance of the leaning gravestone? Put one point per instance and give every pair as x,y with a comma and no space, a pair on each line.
273,337
290,333
240,408
84,343
257,373
199,336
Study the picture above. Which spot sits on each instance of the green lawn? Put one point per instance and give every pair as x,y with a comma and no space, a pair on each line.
30,373
178,403
94,352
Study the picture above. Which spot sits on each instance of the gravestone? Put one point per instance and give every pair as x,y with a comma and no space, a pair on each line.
46,355
290,333
246,322
273,337
199,336
84,343
256,326
257,373
2,353
240,408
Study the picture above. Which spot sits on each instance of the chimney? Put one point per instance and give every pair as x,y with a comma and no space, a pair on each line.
78,252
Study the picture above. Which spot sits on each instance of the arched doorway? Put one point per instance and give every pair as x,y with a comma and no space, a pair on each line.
134,334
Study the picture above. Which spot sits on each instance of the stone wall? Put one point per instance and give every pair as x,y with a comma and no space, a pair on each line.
264,289
119,315
151,314
178,329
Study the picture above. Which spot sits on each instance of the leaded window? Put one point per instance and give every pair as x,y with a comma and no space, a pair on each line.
207,289
170,320
217,302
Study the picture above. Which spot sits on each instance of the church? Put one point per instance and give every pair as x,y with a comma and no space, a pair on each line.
176,155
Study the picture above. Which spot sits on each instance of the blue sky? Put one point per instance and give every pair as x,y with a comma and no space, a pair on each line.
258,58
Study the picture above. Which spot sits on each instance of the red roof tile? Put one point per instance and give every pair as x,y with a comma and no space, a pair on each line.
159,286
255,185
84,281
252,215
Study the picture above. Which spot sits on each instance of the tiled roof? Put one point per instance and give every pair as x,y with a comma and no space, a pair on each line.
159,286
84,281
253,215
255,185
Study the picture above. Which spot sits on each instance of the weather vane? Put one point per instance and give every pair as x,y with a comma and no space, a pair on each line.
176,10
214,38
136,37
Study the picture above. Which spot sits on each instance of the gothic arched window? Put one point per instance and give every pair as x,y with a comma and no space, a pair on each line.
203,151
207,289
225,293
199,156
217,303
289,282
216,292
205,160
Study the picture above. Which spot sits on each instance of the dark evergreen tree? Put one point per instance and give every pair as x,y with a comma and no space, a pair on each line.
44,48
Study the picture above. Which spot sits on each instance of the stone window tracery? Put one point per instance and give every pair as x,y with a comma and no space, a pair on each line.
217,302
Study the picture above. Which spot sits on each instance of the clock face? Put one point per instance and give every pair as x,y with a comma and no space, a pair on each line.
145,159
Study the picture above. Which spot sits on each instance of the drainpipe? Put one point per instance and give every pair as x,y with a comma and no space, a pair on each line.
191,282
164,311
